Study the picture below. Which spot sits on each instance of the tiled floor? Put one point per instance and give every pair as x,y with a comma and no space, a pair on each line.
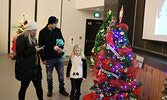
9,86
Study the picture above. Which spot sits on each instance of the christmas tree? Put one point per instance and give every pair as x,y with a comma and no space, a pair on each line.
164,91
18,33
112,63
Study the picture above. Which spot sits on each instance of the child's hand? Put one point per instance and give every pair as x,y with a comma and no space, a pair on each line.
83,80
68,78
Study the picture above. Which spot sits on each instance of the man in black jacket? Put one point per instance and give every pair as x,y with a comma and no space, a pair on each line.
52,55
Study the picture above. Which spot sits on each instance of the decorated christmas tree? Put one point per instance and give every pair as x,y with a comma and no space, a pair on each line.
164,91
18,33
112,62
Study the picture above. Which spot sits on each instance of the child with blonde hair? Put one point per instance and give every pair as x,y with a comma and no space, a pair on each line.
76,71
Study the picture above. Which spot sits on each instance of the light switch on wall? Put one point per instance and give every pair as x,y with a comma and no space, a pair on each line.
71,40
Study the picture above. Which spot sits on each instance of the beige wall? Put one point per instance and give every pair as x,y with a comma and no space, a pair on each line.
73,20
4,26
45,10
27,8
74,24
80,4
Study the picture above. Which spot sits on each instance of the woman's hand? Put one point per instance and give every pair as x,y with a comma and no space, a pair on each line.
38,48
68,78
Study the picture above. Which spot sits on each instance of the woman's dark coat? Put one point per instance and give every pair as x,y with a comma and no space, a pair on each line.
25,67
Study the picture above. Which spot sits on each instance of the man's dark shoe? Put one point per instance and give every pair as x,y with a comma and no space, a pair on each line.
63,92
49,94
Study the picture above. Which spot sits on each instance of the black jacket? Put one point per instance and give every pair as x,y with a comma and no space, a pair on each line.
25,65
48,38
84,68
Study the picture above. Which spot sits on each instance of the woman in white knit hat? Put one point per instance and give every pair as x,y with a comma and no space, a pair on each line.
27,66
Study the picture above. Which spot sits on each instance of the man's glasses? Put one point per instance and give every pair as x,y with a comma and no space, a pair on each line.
56,21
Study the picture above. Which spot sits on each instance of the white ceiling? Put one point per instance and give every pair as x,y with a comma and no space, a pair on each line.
97,9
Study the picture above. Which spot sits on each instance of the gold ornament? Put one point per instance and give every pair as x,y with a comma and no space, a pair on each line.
122,33
102,30
123,46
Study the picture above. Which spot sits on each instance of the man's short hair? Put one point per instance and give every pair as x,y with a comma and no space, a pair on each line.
52,19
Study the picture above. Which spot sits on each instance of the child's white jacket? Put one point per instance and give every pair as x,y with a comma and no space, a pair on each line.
77,68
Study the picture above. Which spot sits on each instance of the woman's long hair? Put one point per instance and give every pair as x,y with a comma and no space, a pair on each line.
31,39
81,53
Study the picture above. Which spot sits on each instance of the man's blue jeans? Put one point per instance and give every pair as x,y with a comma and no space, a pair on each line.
58,64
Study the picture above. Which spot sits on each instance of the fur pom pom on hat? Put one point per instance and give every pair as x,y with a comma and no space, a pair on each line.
31,25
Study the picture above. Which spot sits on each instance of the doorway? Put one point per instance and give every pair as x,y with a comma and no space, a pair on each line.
92,28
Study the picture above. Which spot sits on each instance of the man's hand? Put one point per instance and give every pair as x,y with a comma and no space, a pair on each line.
59,51
56,48
44,62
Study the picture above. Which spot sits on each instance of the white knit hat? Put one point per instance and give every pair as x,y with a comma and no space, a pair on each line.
31,25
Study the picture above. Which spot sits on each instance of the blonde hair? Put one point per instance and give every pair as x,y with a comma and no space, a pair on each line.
81,53
31,39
